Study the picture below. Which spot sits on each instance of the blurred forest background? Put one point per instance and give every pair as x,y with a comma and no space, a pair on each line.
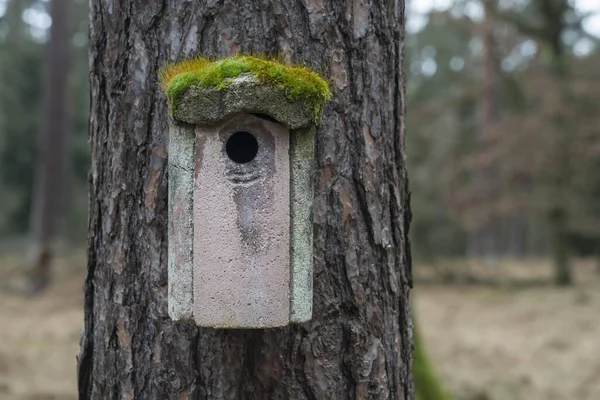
503,150
24,31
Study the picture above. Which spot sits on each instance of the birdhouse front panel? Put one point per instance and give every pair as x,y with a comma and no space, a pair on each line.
242,224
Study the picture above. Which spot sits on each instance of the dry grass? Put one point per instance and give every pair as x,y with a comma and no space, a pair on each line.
515,343
487,342
499,272
40,335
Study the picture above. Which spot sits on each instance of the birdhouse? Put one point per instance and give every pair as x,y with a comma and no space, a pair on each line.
241,155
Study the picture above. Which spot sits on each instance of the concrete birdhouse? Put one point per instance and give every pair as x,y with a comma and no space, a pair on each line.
241,154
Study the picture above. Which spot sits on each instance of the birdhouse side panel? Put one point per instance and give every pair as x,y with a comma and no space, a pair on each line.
302,195
180,227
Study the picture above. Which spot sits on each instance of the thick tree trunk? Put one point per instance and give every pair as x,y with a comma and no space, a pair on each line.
50,173
358,344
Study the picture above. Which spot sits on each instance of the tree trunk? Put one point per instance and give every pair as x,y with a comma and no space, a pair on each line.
555,15
46,205
560,251
358,344
484,239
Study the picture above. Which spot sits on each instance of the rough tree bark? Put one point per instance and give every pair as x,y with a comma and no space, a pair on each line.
50,173
358,344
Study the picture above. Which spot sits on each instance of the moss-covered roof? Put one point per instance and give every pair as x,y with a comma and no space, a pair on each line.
202,90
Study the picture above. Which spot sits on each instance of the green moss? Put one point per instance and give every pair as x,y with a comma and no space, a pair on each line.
427,384
299,82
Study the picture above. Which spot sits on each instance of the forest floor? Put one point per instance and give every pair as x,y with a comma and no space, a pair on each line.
520,338
39,336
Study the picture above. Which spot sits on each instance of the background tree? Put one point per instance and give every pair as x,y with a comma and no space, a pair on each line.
24,33
561,179
20,105
43,176
441,125
51,170
358,344
538,155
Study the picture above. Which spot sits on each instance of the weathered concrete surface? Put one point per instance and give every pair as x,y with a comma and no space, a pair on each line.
242,228
301,201
245,94
181,228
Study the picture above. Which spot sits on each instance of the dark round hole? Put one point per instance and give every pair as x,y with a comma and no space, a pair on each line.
241,147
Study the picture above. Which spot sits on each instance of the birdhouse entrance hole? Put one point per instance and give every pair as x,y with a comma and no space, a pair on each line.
242,147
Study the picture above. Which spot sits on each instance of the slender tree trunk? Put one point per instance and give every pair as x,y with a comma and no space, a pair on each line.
14,20
560,251
490,108
485,238
517,234
358,344
46,205
554,13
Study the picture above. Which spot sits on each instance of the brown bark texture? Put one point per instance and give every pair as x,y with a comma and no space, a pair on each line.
358,344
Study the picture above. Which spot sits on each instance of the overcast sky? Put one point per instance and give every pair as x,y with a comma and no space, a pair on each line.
417,8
